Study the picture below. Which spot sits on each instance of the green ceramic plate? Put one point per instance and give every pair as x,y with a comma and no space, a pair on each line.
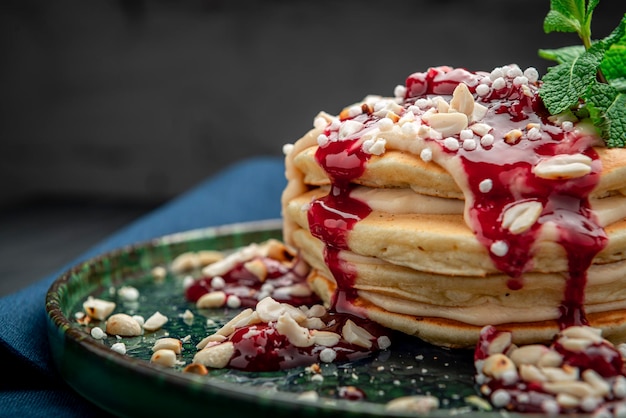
130,385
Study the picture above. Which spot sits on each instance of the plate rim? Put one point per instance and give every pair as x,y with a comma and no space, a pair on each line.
287,402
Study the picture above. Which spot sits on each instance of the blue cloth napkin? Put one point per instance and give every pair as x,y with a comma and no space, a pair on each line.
247,191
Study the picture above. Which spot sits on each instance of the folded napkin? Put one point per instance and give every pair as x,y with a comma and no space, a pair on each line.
247,191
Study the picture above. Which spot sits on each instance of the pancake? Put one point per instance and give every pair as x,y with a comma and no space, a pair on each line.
460,203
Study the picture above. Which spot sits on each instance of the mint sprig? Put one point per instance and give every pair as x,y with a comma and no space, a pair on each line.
590,79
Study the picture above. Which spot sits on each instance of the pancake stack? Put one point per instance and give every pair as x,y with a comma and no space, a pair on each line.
459,203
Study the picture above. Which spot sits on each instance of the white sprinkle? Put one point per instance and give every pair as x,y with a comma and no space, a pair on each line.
567,126
500,398
533,134
469,145
378,148
79,315
486,80
410,129
328,355
550,407
355,111
423,103
426,155
496,73
485,186
452,144
499,248
218,282
385,124
233,302
383,342
119,348
531,74
482,90
348,128
487,140
520,80
335,124
97,333
399,91
413,109
514,72
287,148
466,134
499,83
322,140
590,403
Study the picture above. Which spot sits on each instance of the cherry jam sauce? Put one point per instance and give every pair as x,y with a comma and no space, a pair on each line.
601,357
261,348
508,166
244,284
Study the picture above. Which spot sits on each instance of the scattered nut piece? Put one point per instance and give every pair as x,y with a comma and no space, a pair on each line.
513,136
98,308
297,335
210,339
123,325
215,356
500,367
196,368
325,338
257,268
356,335
173,344
244,318
155,322
119,348
210,300
164,357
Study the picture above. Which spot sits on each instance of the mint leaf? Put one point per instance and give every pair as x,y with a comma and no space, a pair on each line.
614,62
561,55
565,84
607,109
565,16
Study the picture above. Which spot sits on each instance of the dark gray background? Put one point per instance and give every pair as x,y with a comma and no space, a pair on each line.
109,108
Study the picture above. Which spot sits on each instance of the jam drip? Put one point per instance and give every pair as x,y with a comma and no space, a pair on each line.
507,165
334,215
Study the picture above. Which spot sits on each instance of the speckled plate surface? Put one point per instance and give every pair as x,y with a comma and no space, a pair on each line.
129,385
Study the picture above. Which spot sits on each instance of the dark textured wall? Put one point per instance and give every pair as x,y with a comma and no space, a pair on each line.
142,99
